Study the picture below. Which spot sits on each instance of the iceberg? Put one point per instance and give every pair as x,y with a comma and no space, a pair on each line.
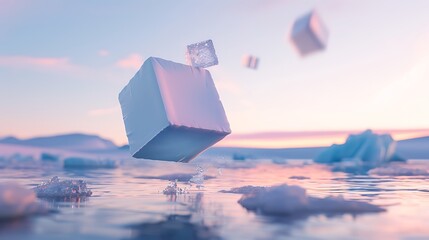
366,150
287,200
17,201
172,111
79,162
309,34
201,54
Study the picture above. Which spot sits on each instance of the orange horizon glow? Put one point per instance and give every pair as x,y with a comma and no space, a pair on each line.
307,139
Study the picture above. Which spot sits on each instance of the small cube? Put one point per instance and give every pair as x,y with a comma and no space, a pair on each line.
309,34
250,61
201,54
172,111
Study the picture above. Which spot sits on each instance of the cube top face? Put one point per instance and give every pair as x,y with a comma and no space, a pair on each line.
201,54
309,34
172,111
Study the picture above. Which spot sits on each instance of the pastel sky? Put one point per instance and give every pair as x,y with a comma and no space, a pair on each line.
63,63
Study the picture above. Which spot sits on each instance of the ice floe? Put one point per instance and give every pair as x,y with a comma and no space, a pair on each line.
293,200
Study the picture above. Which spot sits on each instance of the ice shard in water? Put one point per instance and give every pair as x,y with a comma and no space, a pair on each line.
250,61
201,54
309,34
172,111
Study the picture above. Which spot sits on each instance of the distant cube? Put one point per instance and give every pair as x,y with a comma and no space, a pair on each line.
201,54
250,61
172,111
309,34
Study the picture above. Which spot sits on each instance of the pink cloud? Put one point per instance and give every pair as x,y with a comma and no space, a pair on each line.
104,111
132,61
36,62
283,139
103,53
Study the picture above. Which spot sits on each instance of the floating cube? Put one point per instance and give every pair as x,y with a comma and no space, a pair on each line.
250,61
172,111
201,54
309,34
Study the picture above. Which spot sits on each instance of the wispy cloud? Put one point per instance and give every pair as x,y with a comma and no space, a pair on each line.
36,62
104,111
103,53
132,61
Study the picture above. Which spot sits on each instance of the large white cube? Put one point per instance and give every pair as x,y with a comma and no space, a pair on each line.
309,34
172,111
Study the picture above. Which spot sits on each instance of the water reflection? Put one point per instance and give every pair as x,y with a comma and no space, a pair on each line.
66,202
177,227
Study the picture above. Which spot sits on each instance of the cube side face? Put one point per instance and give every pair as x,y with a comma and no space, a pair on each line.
142,107
304,38
179,144
190,97
202,54
319,29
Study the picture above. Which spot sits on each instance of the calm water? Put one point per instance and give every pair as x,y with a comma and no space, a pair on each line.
126,204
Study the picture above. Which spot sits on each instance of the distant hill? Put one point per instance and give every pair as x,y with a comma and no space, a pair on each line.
75,142
417,148
290,153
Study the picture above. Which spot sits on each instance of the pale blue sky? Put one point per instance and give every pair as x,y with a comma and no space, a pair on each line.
63,63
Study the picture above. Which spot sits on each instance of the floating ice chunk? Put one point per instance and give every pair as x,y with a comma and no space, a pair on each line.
363,150
293,200
172,111
17,201
250,61
201,54
55,188
198,179
398,171
78,162
173,189
309,34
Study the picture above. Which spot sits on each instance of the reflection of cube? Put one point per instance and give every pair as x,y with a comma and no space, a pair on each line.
201,54
172,111
309,34
250,61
